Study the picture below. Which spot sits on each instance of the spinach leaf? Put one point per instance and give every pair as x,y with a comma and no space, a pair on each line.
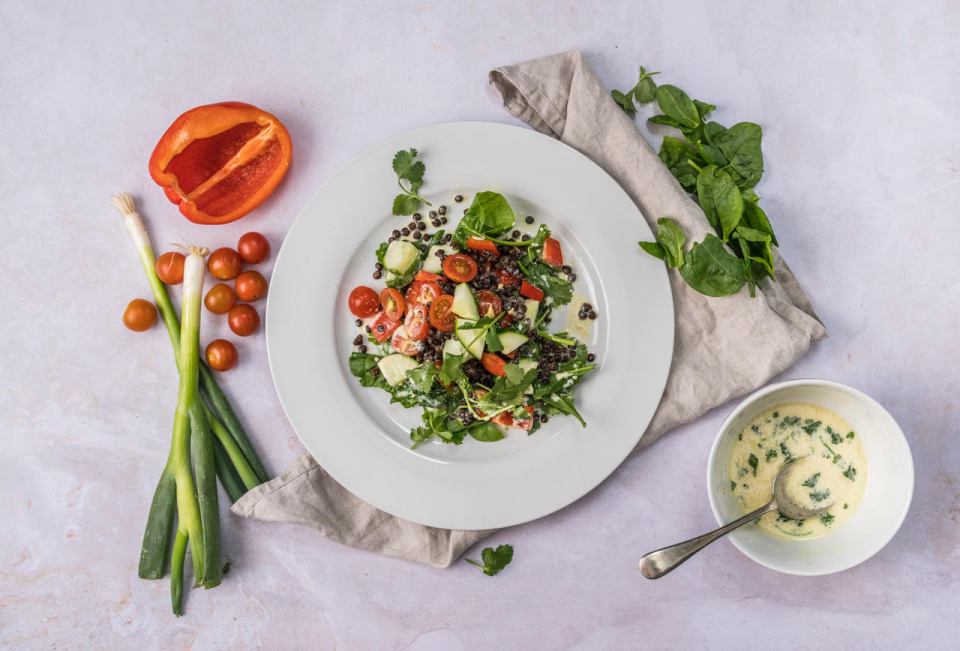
740,145
712,270
671,238
644,91
624,101
490,214
708,147
756,219
653,249
677,104
703,108
485,431
676,155
665,120
362,366
720,199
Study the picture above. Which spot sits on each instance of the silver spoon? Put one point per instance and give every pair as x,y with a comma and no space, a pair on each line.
656,564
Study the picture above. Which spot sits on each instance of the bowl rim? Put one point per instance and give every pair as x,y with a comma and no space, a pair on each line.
762,392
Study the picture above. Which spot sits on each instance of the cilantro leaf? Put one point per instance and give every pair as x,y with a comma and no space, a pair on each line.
405,204
494,560
407,167
411,170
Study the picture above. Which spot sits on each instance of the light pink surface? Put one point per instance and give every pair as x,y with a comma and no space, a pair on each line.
861,142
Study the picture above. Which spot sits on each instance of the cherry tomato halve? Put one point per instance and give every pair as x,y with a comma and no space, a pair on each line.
441,316
422,292
363,302
426,276
477,244
404,344
169,267
393,303
417,322
383,327
531,291
488,303
507,279
225,263
253,248
494,364
460,268
552,254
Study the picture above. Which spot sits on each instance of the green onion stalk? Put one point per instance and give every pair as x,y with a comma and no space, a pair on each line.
208,440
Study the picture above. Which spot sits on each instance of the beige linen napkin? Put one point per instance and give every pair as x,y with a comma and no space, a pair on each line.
723,348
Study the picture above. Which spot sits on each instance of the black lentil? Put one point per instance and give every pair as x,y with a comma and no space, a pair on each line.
433,214
571,277
591,357
526,238
443,220
458,198
566,269
395,233
377,275
442,210
422,226
404,231
412,225
362,348
417,235
515,234
369,329
359,322
378,267
417,217
358,340
592,315
544,418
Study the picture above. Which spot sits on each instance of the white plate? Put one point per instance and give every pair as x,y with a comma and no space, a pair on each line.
360,439
885,502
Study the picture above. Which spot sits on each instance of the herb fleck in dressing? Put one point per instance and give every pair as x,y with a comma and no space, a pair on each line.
833,468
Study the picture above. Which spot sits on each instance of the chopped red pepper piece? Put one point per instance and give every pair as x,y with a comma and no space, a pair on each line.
531,291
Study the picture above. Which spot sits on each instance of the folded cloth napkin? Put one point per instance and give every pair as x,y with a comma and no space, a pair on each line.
723,347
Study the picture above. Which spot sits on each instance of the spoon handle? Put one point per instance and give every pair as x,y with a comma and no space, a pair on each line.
656,564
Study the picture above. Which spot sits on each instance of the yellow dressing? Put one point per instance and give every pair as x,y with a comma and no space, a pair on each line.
833,467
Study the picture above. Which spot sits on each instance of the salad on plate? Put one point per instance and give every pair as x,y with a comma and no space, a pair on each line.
460,328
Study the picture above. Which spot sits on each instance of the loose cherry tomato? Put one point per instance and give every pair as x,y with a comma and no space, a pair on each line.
426,276
220,299
253,248
170,267
363,302
251,286
404,344
417,323
460,268
531,291
494,364
225,263
422,292
243,320
393,303
552,254
441,316
221,355
140,315
488,303
507,279
383,326
477,244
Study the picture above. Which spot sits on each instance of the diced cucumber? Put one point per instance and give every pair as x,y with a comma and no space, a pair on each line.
394,368
464,304
400,257
532,308
511,341
526,364
433,263
453,347
472,339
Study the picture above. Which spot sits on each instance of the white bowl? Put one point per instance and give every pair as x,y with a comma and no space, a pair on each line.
885,503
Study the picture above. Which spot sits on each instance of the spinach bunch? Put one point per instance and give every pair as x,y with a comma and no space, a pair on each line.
719,166
489,215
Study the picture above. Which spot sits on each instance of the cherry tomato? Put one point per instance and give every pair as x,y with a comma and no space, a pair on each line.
552,254
504,418
422,292
253,248
441,316
426,276
477,244
494,364
524,423
531,291
251,286
460,268
507,279
220,299
393,303
417,323
221,355
404,344
140,315
488,303
363,302
243,320
383,326
225,263
170,267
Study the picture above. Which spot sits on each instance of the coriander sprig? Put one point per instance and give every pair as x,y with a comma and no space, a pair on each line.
411,170
494,560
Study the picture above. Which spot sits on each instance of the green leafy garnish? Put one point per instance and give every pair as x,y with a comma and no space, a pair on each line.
642,92
720,166
811,481
819,496
489,215
494,560
752,462
411,170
